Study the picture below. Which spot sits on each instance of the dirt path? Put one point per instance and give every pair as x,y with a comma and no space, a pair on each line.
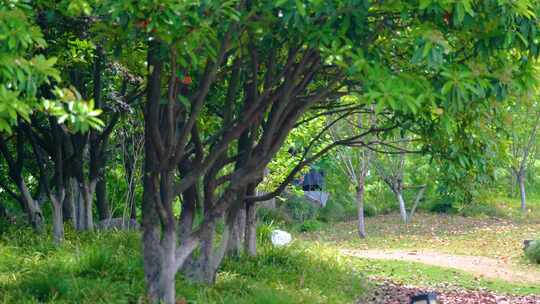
481,266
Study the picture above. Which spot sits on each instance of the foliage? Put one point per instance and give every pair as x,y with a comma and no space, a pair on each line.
310,225
533,252
300,208
23,73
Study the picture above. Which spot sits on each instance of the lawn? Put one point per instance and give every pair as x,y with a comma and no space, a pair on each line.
107,267
479,236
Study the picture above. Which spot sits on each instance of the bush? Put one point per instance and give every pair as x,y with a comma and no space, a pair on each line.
300,209
370,210
482,209
276,215
533,252
332,212
310,225
441,206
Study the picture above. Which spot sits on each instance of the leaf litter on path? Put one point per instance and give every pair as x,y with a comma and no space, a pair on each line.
388,292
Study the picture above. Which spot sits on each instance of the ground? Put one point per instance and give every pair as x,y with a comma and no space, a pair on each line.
326,266
476,257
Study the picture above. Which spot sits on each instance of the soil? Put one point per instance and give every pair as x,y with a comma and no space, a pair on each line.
479,266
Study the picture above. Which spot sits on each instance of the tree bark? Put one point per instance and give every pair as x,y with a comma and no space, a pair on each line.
188,213
58,220
417,200
237,226
402,208
68,205
250,242
33,210
79,204
522,192
102,203
360,190
87,193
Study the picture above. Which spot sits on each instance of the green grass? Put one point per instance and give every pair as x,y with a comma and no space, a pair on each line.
453,234
417,274
107,268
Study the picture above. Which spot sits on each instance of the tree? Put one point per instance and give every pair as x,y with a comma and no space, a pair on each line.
525,121
355,161
227,82
30,85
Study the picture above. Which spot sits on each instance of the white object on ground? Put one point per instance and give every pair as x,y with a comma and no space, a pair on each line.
280,237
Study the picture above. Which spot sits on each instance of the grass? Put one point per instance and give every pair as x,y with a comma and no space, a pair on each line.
454,234
417,274
107,268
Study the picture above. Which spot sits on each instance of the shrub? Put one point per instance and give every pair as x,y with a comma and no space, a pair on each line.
276,215
310,225
300,209
441,206
370,210
533,252
332,212
482,209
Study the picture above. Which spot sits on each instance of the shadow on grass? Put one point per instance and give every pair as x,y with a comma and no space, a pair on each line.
107,268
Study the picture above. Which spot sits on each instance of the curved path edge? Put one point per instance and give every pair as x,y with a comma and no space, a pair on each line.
480,266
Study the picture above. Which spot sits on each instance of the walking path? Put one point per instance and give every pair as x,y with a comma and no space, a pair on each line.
480,266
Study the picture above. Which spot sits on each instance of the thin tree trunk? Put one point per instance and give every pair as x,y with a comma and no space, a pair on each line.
188,213
68,205
86,191
419,196
360,190
402,209
33,210
522,193
102,203
79,205
58,220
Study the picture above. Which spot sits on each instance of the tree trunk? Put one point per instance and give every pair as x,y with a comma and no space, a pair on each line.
201,270
166,283
402,209
32,208
87,194
360,189
522,193
102,203
151,241
250,242
417,200
188,212
237,224
79,205
58,220
68,205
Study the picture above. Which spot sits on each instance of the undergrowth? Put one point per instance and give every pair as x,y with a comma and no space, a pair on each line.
107,268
